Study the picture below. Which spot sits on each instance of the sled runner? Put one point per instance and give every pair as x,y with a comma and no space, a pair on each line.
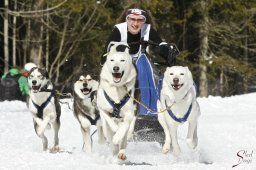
149,77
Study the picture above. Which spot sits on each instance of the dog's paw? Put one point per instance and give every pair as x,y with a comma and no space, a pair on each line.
121,155
55,149
166,149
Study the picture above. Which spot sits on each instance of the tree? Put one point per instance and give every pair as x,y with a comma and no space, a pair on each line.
216,37
203,48
6,37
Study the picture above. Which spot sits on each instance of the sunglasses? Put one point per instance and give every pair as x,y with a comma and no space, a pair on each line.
136,20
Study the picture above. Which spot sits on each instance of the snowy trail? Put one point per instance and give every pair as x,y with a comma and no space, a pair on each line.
226,126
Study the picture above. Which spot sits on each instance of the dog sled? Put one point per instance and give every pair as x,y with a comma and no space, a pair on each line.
147,127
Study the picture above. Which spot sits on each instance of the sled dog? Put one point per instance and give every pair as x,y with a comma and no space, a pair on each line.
115,98
44,106
178,101
85,110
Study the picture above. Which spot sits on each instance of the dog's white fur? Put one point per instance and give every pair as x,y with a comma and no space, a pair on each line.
117,130
38,80
85,105
177,93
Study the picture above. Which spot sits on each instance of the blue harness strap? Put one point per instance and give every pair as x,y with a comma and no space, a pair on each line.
147,85
117,106
183,119
40,109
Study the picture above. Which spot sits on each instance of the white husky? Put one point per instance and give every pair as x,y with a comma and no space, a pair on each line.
117,84
85,109
178,101
44,105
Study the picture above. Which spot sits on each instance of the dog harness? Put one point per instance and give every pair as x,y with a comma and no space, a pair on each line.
92,121
117,106
40,109
184,118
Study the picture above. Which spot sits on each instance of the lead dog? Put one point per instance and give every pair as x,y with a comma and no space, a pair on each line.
85,90
178,101
117,84
44,106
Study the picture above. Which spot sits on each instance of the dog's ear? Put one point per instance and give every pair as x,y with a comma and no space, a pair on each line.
122,48
118,47
32,69
44,72
111,44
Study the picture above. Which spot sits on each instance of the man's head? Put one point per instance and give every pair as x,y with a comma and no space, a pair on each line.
135,19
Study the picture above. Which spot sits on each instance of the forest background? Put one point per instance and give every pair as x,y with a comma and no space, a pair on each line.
216,38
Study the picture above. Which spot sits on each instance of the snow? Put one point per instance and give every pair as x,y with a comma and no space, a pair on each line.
226,128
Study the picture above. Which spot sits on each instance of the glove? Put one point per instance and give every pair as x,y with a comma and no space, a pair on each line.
169,52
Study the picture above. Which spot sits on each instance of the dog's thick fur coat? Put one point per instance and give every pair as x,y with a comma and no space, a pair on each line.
178,95
44,106
85,110
117,79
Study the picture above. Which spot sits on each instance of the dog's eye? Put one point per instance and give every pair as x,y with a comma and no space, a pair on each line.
30,76
182,74
122,60
41,77
89,79
171,74
80,80
111,60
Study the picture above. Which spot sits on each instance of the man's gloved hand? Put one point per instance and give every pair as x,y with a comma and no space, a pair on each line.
169,52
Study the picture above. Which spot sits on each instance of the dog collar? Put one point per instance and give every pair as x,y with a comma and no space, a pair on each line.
117,106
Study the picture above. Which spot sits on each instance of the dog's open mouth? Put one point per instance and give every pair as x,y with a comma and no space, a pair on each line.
36,88
117,77
86,91
177,86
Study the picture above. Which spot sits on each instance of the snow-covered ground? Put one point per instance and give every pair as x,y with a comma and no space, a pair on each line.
226,134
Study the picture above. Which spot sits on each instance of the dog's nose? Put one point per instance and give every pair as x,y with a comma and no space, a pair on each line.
34,82
85,84
116,69
176,80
